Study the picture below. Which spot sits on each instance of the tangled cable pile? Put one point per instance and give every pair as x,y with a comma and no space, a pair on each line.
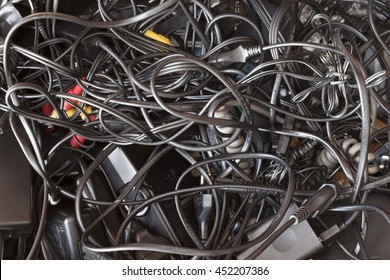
262,103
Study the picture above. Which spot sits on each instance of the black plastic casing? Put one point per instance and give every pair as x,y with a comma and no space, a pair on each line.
15,187
63,233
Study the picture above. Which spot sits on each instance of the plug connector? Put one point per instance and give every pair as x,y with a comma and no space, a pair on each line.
203,204
316,204
54,195
76,141
76,90
157,37
238,55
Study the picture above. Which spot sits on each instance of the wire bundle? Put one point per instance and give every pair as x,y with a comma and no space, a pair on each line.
294,79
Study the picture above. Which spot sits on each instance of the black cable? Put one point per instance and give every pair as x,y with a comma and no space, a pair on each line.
363,207
360,241
237,239
370,13
41,226
173,249
131,215
83,181
326,81
225,234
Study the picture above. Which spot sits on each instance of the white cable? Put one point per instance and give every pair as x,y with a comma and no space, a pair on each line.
236,146
351,148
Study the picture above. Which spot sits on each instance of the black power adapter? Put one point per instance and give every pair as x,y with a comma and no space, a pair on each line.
15,186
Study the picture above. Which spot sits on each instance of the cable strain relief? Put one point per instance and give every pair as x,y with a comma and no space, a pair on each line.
54,197
296,221
97,41
254,50
301,215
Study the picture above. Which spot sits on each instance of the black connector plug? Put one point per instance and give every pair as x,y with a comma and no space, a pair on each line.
317,203
54,196
203,204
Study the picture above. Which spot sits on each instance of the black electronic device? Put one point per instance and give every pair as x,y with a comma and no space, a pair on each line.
15,185
63,234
